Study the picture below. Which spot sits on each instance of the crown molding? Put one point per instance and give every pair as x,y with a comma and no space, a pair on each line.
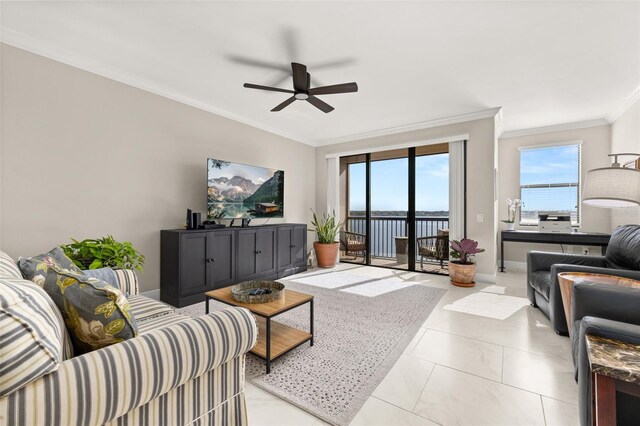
555,128
412,144
606,120
628,103
478,115
64,56
29,44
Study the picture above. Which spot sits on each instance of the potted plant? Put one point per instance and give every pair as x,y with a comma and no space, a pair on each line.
326,228
512,209
462,270
104,252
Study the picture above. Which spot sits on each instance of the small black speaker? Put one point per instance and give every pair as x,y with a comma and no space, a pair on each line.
196,220
189,219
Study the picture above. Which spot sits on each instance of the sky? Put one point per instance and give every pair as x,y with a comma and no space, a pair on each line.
389,184
389,180
255,174
549,165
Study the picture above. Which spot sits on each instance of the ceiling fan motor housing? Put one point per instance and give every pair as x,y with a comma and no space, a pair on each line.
303,92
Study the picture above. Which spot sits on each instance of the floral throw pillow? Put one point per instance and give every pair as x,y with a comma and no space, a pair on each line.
96,314
28,266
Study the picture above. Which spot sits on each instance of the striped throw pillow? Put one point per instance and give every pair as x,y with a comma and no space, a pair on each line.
8,267
31,335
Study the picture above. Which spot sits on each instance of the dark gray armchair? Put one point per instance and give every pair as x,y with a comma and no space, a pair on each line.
606,311
621,259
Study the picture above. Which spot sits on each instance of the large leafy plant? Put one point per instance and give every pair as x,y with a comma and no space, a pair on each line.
104,252
464,251
326,227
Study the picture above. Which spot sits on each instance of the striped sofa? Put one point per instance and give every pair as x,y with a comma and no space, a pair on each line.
178,371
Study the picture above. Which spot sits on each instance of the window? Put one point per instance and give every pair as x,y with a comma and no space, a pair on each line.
550,182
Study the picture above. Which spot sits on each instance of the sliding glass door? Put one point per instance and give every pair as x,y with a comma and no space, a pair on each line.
432,210
389,223
353,238
396,209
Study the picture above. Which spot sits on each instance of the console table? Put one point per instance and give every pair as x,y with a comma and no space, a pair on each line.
569,238
200,260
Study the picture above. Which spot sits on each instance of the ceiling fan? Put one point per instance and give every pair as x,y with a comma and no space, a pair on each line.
302,92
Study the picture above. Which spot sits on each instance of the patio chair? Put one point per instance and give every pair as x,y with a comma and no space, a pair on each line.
434,247
355,243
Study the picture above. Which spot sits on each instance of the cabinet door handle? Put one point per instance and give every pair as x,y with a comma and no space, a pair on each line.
210,260
293,245
257,251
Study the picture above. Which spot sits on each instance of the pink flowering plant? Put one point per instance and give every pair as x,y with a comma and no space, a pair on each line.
464,251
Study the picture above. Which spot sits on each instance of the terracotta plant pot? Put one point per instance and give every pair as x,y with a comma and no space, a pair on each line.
462,275
326,254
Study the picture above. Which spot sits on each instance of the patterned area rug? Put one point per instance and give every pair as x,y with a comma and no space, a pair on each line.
357,341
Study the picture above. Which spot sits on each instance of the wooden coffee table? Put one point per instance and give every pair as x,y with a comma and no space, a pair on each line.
274,339
568,279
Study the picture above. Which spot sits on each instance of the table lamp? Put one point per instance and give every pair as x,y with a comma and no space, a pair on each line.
615,186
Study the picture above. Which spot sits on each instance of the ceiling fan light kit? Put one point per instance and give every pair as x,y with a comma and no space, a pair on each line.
303,92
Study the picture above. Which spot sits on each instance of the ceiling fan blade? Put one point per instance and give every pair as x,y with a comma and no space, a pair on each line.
334,63
321,105
299,76
336,88
281,79
243,60
284,104
272,89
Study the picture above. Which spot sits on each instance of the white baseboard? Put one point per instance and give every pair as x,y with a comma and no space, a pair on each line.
152,294
512,265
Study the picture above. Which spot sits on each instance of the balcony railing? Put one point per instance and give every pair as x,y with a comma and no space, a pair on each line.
383,229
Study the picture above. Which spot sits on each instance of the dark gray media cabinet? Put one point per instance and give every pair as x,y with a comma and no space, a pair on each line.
196,261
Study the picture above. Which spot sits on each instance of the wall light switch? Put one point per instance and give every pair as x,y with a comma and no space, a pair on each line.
479,217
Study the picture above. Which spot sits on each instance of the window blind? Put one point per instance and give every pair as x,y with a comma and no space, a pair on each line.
550,182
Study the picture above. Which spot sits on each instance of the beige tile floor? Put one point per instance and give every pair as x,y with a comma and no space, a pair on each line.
460,369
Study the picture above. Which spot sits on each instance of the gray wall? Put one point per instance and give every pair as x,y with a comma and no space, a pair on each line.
84,156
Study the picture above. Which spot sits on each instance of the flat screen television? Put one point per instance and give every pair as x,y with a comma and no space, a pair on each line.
237,190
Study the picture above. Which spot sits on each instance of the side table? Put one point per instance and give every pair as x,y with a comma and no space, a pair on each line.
568,279
615,367
274,339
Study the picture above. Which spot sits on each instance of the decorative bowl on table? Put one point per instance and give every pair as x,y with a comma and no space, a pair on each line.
257,291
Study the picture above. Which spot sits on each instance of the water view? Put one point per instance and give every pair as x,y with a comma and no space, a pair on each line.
389,200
